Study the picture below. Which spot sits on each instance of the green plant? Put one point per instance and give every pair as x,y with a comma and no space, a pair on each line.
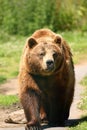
7,100
81,126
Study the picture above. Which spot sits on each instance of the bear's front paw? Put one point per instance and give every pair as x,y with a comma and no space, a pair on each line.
33,127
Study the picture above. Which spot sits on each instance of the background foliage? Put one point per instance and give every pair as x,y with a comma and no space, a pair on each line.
25,16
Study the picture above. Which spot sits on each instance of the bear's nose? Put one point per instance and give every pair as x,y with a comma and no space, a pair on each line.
50,64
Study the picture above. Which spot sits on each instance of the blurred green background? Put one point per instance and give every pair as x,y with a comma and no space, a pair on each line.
25,16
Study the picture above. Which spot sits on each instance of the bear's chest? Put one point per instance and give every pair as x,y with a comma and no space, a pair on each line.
50,83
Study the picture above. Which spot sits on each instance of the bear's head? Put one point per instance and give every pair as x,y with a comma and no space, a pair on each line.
45,53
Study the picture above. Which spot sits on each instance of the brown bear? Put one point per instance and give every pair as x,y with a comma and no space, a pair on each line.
46,79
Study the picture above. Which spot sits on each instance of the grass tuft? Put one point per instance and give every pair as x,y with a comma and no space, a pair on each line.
80,126
2,79
7,100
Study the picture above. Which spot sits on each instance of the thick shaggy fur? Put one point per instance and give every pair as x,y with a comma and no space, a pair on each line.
46,79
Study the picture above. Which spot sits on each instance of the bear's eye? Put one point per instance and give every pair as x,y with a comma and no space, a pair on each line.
42,54
55,54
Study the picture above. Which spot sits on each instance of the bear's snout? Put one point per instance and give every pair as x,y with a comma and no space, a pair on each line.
50,64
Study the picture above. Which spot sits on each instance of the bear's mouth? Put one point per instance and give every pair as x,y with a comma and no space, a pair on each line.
49,70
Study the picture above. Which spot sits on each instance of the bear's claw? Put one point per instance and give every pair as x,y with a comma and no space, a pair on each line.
33,128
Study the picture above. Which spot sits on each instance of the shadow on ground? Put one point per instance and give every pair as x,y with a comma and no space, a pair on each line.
69,123
75,122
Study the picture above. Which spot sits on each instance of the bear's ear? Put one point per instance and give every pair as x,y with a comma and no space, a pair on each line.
31,42
58,40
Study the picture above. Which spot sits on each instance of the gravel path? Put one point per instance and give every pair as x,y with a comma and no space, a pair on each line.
75,113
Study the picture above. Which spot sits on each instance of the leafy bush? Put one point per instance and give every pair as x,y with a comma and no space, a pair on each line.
25,16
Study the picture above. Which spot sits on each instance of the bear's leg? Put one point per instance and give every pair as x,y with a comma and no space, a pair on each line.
68,103
63,114
31,104
56,117
66,112
67,108
43,115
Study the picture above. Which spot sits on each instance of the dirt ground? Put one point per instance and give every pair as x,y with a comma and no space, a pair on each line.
15,111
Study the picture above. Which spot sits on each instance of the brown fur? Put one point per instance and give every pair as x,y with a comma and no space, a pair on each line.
46,95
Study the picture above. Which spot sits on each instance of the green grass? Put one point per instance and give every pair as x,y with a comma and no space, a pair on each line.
80,126
7,100
10,53
83,106
2,79
12,46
